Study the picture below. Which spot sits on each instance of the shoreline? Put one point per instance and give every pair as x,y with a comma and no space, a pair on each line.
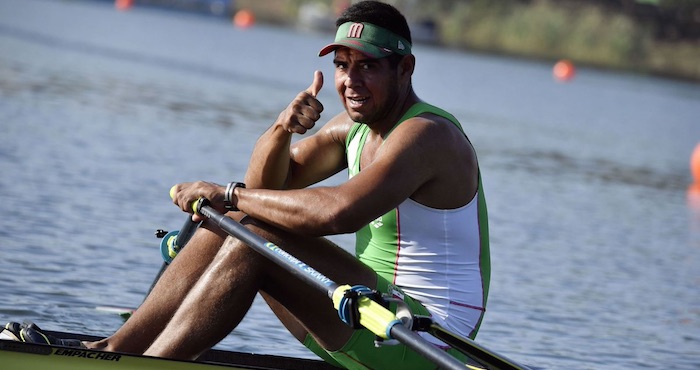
589,35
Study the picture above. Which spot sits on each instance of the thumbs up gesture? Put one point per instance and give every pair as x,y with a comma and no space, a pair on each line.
303,112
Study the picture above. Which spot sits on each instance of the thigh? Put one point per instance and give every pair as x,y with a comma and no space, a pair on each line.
301,307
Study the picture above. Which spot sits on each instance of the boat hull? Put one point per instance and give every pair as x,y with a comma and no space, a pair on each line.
30,356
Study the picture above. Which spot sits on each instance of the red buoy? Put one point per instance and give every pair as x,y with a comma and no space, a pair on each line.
695,164
123,4
244,18
564,70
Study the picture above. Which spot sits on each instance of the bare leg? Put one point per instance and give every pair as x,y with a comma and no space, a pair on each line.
214,306
302,309
222,296
136,335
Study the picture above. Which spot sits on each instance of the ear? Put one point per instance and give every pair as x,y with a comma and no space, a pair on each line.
407,66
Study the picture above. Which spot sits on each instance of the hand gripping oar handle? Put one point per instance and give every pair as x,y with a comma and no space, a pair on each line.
187,229
373,316
174,241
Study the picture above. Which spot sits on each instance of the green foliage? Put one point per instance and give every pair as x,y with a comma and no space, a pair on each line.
546,29
582,31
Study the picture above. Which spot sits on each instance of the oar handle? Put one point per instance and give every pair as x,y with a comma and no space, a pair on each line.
174,241
186,232
188,228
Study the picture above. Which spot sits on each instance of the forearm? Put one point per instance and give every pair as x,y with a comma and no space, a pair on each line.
270,161
312,211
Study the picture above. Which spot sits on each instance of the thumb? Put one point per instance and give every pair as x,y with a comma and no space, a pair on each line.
317,84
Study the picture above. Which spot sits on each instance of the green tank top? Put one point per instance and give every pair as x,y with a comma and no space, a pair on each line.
380,243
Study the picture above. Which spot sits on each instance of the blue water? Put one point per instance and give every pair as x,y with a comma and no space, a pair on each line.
595,237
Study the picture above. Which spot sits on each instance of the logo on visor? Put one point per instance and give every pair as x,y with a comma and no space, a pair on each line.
355,30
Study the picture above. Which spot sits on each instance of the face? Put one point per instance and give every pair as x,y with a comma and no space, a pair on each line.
369,88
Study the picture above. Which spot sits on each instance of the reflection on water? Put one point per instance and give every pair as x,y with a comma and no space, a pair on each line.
593,169
693,201
120,95
105,51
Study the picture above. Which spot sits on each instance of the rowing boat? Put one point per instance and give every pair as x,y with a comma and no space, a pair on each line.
30,356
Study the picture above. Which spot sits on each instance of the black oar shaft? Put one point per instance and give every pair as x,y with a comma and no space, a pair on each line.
186,232
188,229
412,340
271,251
470,348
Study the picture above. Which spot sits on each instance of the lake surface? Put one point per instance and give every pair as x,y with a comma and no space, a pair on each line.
595,236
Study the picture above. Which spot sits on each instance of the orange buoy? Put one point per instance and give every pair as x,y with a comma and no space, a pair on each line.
244,18
695,164
564,70
123,4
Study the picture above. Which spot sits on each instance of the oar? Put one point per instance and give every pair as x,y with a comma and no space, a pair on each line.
486,357
372,315
171,244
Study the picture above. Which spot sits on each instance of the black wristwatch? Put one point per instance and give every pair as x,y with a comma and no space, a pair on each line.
228,195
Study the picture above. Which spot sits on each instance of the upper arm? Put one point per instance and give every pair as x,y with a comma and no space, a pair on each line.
430,162
402,166
321,155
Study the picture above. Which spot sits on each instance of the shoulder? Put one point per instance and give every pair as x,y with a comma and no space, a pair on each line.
436,146
432,142
338,127
430,130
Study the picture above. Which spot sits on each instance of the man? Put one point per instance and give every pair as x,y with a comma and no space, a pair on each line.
414,199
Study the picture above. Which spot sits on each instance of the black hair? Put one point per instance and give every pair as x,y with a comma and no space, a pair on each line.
382,15
379,14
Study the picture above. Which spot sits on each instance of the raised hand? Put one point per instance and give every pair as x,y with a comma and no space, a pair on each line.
303,112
